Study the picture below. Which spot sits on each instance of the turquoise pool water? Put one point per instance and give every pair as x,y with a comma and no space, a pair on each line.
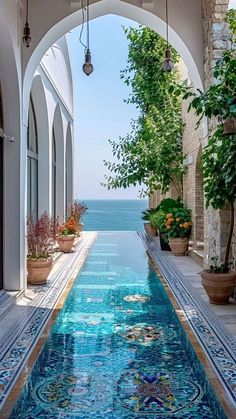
117,349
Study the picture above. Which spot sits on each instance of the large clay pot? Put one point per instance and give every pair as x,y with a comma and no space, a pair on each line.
179,246
164,243
38,270
218,287
230,126
66,243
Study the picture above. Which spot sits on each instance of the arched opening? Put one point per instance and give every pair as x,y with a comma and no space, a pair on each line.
1,191
69,168
199,204
39,100
32,163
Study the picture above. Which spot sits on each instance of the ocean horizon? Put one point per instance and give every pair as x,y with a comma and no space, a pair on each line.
114,214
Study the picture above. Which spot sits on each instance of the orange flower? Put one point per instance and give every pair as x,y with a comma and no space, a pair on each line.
181,225
177,219
186,225
171,220
168,227
169,215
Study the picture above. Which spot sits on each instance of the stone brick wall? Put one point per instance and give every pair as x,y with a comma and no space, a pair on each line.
192,181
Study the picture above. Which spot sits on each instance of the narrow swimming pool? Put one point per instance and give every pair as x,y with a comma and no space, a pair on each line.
117,349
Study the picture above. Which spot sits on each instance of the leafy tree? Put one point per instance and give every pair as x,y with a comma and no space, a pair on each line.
151,154
219,156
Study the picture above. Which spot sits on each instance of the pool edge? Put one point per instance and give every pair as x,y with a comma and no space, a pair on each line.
221,393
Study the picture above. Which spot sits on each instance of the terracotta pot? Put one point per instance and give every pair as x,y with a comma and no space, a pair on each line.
218,287
179,246
230,126
152,231
66,243
38,270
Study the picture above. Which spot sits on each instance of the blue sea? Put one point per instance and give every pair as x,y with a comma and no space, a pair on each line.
114,215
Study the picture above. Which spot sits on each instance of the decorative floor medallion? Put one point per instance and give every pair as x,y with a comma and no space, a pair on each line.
154,392
137,298
141,333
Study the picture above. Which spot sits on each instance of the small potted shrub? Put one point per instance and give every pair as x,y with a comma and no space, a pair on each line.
151,228
147,226
178,225
165,207
41,235
77,210
66,237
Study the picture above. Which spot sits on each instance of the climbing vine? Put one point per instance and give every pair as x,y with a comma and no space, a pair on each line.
151,154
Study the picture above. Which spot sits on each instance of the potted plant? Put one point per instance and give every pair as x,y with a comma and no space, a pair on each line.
66,237
165,207
219,161
157,221
41,234
219,177
149,228
178,225
77,210
152,222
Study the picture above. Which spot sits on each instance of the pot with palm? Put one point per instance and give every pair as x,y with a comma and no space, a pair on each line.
177,227
67,233
41,235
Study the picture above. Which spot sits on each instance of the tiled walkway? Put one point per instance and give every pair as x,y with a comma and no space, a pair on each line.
214,326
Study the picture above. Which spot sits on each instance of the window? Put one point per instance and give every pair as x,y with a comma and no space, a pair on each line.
32,163
54,168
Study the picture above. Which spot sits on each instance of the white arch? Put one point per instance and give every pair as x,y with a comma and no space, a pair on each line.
69,166
42,119
131,11
60,167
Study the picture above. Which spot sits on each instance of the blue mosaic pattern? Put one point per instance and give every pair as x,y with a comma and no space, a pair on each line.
22,332
117,351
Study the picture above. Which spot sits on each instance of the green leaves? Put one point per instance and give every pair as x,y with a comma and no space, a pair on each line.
219,162
151,154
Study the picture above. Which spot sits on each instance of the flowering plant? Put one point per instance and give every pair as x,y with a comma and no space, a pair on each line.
177,223
41,234
69,227
76,210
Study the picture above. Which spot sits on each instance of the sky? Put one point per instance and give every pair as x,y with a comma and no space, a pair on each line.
99,108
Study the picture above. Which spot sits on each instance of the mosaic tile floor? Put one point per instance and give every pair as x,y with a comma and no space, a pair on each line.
117,349
218,343
21,326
